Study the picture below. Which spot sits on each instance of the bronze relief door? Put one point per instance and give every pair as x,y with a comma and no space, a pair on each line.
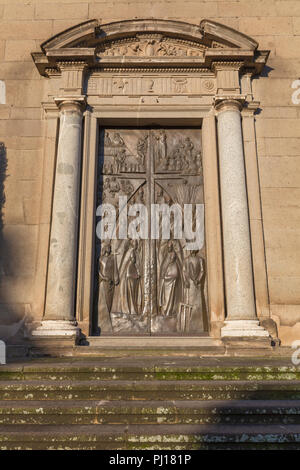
150,277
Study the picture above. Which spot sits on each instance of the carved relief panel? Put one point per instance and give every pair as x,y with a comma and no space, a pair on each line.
149,45
110,84
151,280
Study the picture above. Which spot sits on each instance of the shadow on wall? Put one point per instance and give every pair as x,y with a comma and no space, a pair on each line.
12,327
3,169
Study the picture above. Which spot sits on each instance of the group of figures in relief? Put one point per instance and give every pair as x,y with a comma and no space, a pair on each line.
183,156
121,159
126,278
180,300
118,157
150,286
153,46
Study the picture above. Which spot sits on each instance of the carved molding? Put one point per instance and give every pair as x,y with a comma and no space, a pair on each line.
132,70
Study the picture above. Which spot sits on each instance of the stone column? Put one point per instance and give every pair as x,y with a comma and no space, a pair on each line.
61,280
241,317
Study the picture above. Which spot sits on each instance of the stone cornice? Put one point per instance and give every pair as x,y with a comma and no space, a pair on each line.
219,31
209,62
210,43
72,55
70,35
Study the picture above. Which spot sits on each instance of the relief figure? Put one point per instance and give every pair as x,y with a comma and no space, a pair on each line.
149,49
193,275
118,140
142,145
120,158
161,154
108,279
170,284
135,49
111,186
131,292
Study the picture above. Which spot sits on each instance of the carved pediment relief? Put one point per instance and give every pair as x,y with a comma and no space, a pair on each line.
151,45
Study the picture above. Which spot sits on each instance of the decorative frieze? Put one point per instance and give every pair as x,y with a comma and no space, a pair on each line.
150,85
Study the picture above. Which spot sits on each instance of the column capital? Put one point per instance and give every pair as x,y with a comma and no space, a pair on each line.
71,103
229,103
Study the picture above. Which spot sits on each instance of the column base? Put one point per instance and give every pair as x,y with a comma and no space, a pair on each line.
243,329
50,328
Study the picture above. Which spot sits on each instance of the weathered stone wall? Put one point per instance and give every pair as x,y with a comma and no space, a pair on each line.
275,24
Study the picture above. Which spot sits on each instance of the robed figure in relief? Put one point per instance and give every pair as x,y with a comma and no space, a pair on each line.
131,286
108,279
193,275
170,283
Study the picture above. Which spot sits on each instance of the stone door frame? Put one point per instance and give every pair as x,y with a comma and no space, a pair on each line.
215,287
75,61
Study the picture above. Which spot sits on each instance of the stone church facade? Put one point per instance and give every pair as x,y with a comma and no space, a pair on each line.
159,103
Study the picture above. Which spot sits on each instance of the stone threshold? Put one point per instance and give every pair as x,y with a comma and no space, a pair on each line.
152,341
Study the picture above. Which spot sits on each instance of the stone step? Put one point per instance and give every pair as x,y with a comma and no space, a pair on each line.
115,372
99,352
160,403
150,412
105,349
149,390
143,343
147,436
